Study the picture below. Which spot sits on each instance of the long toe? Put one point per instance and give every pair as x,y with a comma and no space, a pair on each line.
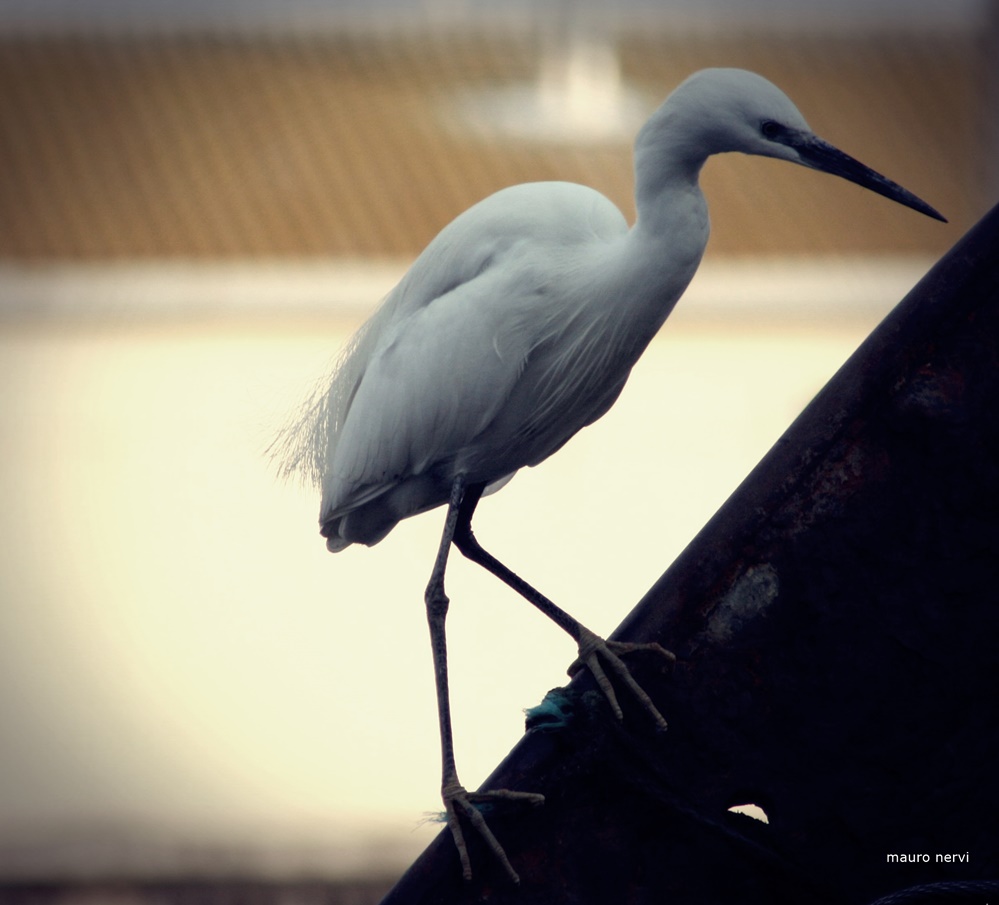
647,647
460,803
602,657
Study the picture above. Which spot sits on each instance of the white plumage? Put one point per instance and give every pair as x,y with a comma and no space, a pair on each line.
515,328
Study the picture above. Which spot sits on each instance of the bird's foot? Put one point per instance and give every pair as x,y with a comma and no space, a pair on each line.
458,803
595,653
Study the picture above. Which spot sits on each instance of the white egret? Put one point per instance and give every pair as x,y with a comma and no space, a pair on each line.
515,328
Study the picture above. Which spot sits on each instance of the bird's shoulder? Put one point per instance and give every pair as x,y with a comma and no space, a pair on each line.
507,231
547,211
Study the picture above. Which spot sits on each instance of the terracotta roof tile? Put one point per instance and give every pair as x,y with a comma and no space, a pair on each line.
337,146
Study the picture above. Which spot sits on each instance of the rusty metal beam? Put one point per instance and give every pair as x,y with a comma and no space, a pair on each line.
837,629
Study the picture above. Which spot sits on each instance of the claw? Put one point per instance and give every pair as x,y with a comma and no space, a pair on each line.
593,649
456,800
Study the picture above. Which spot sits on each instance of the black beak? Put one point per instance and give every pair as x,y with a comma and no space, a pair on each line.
823,156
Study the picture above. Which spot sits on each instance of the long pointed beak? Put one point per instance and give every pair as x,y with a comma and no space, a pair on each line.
821,155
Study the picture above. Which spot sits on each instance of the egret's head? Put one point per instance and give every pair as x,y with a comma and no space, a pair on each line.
720,110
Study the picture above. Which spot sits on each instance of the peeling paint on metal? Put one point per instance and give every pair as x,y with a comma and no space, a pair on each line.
748,599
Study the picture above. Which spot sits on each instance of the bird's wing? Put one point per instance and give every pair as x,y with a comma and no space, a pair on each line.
438,360
434,380
308,445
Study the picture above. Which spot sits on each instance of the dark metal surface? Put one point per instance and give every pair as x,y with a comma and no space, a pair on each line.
837,629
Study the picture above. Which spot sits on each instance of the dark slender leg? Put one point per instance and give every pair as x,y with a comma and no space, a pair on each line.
592,648
456,799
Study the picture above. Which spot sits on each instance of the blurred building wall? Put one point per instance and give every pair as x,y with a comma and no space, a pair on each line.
268,144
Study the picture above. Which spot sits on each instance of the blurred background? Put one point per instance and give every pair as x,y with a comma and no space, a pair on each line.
198,202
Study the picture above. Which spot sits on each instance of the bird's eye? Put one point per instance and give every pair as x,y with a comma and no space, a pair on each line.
770,129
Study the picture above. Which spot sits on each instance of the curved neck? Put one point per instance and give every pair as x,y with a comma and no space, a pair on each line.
668,199
645,271
668,152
